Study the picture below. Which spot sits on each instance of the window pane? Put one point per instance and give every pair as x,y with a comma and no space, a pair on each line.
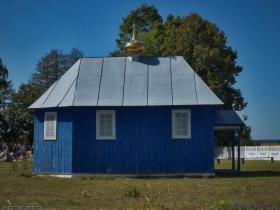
184,124
109,116
50,125
105,124
184,115
102,133
108,127
178,131
184,132
102,116
181,123
102,127
109,133
178,116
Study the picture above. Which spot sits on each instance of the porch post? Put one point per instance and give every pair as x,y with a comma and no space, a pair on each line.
238,132
233,154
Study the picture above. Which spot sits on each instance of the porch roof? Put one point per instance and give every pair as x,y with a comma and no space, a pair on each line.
228,119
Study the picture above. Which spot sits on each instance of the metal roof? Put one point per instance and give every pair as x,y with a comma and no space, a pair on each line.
228,117
122,81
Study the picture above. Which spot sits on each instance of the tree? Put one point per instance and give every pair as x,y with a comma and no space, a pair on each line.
144,17
6,88
48,70
19,118
6,91
52,66
202,44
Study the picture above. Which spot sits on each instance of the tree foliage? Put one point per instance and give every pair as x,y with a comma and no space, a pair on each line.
6,88
145,17
203,45
6,91
19,117
52,66
48,70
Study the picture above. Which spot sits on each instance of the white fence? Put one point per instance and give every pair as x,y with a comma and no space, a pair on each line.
250,153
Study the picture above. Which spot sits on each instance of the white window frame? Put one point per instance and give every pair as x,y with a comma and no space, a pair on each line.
113,113
174,135
45,126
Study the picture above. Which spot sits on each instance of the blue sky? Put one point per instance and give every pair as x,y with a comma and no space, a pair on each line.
29,29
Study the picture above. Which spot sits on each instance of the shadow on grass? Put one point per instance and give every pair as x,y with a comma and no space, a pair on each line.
228,173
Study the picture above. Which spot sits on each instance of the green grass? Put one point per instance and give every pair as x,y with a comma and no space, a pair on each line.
258,186
251,165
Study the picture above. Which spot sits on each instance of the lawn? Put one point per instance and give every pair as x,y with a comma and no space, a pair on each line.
256,188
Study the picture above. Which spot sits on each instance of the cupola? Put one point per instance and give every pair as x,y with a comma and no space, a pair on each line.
134,47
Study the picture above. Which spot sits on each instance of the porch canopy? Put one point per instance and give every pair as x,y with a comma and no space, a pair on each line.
231,120
227,119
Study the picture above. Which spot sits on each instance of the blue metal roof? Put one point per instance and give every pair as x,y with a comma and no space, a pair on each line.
121,81
228,118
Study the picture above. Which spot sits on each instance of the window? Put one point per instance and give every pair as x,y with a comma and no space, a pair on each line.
50,126
181,124
105,124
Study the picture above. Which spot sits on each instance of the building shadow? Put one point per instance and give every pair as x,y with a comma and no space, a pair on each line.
149,60
228,173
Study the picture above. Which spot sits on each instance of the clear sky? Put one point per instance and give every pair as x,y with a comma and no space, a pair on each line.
29,29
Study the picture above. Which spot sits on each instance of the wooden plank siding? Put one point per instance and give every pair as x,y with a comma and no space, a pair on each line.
53,156
143,143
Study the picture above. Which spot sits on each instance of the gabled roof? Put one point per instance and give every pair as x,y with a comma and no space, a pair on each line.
120,81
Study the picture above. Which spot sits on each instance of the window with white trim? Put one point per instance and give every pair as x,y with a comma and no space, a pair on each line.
105,124
50,125
181,124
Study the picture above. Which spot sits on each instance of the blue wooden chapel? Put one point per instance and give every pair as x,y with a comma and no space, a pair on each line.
135,115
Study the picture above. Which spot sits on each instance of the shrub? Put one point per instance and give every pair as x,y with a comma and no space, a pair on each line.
131,191
14,167
224,205
26,168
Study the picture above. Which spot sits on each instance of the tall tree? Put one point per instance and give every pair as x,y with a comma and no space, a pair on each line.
144,17
48,70
6,88
52,66
203,45
18,117
6,91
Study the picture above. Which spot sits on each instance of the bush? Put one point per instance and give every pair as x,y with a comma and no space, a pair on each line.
131,191
224,205
23,168
26,168
14,167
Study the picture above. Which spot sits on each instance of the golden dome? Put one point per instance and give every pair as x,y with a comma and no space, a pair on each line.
134,46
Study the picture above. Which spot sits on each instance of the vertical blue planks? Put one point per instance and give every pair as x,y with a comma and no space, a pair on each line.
53,156
143,144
